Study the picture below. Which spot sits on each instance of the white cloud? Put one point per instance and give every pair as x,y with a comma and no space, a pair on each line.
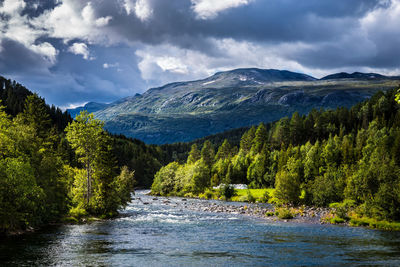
172,64
141,8
110,65
12,7
73,20
208,9
101,22
18,28
47,50
80,49
166,63
73,105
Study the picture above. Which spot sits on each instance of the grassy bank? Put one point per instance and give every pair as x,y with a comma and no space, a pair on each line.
240,195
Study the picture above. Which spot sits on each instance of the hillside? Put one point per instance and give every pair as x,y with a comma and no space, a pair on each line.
185,111
89,107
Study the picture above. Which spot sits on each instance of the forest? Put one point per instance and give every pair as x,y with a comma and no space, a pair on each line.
54,169
349,157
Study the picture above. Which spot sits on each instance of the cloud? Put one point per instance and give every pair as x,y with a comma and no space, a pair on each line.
158,41
71,20
110,65
11,7
209,9
168,63
80,49
16,58
47,50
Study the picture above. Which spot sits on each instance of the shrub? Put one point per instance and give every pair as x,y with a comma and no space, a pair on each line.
243,199
269,213
227,191
337,220
284,213
250,197
78,212
265,198
208,194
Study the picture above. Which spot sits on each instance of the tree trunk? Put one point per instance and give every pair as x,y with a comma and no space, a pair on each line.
88,183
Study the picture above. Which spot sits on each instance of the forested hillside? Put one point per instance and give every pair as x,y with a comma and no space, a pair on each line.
52,168
350,156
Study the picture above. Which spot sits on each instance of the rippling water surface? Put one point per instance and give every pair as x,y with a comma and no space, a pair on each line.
165,233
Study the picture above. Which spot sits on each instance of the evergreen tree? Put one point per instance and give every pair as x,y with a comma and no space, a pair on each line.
194,154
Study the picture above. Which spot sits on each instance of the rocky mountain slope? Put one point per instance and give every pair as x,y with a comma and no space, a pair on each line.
184,111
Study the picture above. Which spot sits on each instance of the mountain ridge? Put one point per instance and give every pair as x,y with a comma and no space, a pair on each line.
184,111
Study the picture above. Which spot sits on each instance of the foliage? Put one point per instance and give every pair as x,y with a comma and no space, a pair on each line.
250,197
40,179
343,155
227,191
284,213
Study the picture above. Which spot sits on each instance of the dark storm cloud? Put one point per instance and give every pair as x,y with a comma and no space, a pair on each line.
16,58
173,41
320,24
289,20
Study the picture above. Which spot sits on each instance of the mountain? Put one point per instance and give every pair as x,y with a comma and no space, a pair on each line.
90,107
184,111
355,75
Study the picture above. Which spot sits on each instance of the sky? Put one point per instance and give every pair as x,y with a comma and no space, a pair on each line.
74,51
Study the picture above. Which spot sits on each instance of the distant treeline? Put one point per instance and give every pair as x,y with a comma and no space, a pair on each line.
345,155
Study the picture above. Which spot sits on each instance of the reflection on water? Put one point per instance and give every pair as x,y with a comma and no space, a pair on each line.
164,233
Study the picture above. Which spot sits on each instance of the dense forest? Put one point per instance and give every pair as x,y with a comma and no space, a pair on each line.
53,168
346,156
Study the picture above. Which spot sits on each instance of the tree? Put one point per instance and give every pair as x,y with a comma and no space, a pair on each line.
260,138
5,140
194,154
201,176
207,154
164,180
35,114
84,134
247,139
287,182
224,151
20,197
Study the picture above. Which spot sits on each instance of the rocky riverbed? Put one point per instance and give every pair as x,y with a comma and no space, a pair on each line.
260,210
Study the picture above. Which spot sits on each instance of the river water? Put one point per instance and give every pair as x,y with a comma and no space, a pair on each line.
165,232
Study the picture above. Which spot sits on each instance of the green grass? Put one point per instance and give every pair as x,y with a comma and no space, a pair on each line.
258,194
337,220
375,224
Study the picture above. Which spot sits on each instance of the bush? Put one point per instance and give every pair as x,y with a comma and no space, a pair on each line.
284,213
250,197
269,213
227,191
78,212
337,220
243,199
265,198
208,194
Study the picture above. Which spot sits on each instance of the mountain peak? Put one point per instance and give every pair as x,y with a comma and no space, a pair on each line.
354,75
262,75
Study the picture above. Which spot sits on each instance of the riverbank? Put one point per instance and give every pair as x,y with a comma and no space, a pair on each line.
266,211
277,213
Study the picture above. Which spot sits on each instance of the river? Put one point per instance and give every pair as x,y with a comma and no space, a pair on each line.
165,232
